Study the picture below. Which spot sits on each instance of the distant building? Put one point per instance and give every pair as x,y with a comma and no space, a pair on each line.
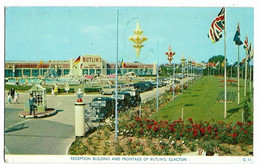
88,65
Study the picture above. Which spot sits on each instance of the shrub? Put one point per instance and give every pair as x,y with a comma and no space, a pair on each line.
94,89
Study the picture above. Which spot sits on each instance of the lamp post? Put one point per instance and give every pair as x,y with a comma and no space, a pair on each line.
79,115
182,64
170,55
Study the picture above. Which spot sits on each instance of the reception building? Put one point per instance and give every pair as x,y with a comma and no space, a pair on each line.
81,66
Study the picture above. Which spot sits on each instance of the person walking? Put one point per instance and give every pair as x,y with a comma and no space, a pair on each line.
12,91
56,90
52,90
31,104
16,97
9,98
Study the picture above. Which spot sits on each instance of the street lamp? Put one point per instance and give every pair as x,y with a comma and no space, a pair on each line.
182,64
170,55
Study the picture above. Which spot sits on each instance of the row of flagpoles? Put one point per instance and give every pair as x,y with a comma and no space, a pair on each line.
215,33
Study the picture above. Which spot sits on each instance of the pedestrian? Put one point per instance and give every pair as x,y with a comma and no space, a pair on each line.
16,97
52,90
12,92
67,87
9,98
31,104
56,90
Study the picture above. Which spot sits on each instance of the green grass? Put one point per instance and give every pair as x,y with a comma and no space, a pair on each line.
199,102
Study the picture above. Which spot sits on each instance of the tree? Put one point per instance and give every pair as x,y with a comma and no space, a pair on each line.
215,59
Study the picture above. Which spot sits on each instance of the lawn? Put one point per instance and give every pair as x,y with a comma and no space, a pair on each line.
199,102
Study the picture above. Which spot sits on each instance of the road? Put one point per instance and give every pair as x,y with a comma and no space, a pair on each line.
46,136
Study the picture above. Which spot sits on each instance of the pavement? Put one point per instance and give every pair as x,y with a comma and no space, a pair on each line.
47,135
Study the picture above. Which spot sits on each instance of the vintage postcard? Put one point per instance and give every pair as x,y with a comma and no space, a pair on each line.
129,84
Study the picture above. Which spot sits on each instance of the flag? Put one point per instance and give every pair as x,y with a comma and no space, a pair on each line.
40,64
246,44
218,24
123,64
76,61
223,64
217,63
237,36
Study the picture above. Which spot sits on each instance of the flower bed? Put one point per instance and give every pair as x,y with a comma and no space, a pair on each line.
179,130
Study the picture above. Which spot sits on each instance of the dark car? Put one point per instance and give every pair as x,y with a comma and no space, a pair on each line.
135,98
148,85
101,108
123,101
140,87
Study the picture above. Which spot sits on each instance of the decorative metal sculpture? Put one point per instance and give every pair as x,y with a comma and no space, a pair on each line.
138,39
170,54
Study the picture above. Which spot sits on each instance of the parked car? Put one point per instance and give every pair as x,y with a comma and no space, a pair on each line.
109,89
123,100
140,87
148,85
135,98
101,108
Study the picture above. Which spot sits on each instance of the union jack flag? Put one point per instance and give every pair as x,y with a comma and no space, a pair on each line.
246,44
218,24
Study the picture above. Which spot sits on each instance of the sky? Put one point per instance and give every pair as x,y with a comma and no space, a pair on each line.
62,33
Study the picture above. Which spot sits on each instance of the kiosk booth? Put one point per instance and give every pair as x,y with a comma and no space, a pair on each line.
39,93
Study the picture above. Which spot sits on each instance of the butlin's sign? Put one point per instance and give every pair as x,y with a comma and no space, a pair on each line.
92,59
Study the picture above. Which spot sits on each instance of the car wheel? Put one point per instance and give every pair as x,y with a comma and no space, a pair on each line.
102,92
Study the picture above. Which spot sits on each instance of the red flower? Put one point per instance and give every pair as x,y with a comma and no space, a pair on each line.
245,131
195,134
202,131
149,126
162,146
216,133
155,129
141,132
209,130
190,119
215,129
140,124
234,135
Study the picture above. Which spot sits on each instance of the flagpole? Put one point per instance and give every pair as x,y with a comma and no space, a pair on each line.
157,84
225,71
116,74
245,76
238,77
250,66
173,74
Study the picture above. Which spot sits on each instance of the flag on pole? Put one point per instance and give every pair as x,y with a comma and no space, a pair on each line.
218,24
123,64
223,64
246,44
217,63
76,62
40,64
237,36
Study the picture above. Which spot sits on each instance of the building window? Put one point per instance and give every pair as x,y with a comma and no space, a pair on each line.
91,71
35,72
18,73
27,72
8,73
85,71
66,71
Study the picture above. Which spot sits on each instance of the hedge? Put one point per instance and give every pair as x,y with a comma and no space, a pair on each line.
96,89
17,87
